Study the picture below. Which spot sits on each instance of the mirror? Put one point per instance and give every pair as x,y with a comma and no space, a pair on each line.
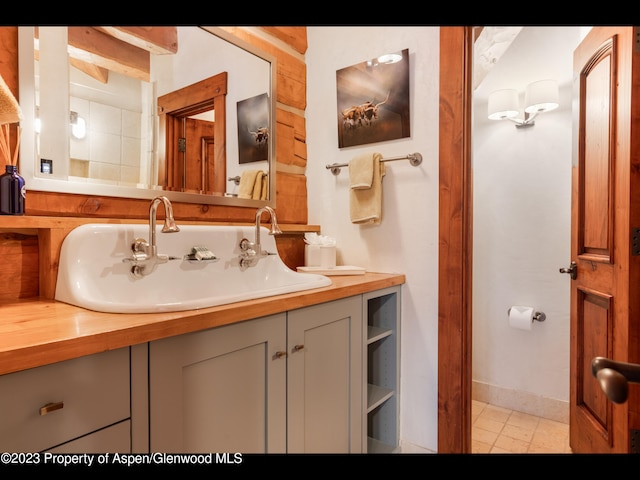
136,112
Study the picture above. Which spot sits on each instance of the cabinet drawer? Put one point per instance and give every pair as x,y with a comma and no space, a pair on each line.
115,439
93,392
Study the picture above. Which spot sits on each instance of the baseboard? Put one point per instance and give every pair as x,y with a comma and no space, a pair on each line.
525,402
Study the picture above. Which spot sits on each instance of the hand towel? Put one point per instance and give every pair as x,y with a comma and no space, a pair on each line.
265,186
366,204
257,186
361,170
247,182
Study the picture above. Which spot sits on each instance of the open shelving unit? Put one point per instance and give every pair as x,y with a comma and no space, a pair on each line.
383,369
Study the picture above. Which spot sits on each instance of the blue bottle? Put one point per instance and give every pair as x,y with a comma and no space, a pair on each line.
12,192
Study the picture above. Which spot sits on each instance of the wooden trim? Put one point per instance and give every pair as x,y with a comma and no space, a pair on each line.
455,240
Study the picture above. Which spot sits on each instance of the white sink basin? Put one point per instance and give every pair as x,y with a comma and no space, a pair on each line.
93,275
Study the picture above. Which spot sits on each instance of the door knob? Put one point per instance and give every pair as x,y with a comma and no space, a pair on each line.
572,270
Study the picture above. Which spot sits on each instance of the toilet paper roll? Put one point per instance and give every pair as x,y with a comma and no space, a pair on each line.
521,317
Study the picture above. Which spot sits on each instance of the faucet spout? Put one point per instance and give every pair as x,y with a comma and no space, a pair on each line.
169,222
252,251
275,228
145,256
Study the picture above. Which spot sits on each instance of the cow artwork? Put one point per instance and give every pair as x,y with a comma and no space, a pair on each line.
361,115
373,100
261,136
253,129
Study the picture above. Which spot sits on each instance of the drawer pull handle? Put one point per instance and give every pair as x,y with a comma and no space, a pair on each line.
280,354
297,348
51,407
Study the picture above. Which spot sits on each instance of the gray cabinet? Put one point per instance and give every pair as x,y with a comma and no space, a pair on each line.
324,378
220,390
290,382
382,313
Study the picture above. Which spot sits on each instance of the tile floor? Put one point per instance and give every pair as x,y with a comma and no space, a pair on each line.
500,430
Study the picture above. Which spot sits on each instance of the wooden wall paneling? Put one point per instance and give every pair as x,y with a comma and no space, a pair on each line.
292,195
9,71
296,37
49,244
19,266
291,143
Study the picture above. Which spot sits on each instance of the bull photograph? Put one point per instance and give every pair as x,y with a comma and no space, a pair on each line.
253,129
373,100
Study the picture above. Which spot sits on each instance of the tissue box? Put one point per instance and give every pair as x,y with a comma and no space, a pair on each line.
320,256
312,255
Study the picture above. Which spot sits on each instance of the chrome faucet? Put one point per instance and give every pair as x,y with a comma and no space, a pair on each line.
252,251
145,256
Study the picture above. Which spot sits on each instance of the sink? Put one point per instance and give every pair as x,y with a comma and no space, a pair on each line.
94,272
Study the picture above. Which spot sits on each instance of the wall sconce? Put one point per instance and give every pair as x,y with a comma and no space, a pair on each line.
539,97
78,126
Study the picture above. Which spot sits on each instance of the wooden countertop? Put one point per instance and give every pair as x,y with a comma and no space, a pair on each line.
37,332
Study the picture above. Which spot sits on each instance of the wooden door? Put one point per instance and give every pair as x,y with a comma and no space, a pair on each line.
605,213
198,156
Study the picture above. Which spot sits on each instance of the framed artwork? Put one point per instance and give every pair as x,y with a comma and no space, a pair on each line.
253,129
373,100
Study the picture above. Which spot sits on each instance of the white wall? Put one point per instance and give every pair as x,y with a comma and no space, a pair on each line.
407,239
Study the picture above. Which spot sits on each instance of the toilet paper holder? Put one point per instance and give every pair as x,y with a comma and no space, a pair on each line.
537,316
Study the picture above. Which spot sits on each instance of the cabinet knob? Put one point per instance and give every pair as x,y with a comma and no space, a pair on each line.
280,354
297,348
51,407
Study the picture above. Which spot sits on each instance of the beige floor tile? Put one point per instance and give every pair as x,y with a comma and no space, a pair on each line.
480,447
484,436
519,433
498,414
523,420
488,424
501,430
511,444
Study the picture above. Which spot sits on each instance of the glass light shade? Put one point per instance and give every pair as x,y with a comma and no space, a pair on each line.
79,129
390,58
503,104
541,96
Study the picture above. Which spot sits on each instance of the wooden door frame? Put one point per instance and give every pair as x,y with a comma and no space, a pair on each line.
173,107
455,240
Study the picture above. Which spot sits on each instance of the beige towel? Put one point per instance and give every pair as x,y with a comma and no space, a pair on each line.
265,186
247,183
361,170
366,203
257,186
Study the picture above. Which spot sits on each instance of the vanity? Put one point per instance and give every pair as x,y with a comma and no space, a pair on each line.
313,371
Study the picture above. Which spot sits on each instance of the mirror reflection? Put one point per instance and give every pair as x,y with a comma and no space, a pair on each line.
142,109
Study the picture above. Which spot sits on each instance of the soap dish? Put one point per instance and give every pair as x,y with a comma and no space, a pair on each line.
337,270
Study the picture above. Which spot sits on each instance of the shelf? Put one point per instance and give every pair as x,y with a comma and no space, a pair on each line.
376,333
382,360
376,446
376,396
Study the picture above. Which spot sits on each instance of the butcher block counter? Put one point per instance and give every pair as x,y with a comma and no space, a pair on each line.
36,332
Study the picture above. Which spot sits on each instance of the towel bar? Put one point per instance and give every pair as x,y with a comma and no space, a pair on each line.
236,179
414,158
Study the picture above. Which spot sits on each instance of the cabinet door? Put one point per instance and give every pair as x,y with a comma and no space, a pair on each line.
220,390
325,378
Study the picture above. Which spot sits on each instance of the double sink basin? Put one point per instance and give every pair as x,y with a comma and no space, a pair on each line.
203,269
